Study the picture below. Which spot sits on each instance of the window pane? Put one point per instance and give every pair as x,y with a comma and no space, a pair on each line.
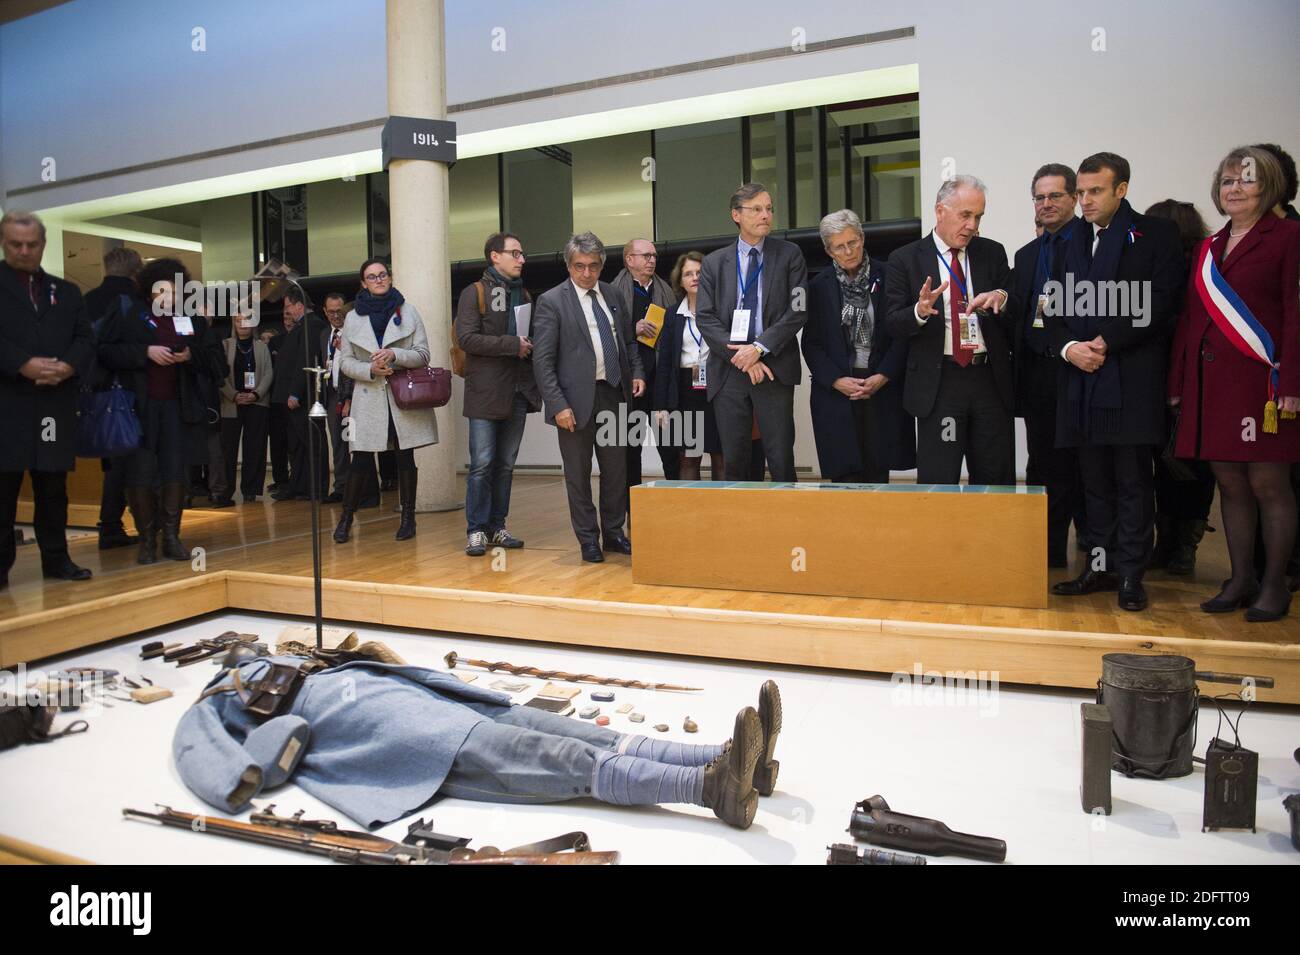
767,160
807,170
474,210
539,197
612,192
336,241
697,168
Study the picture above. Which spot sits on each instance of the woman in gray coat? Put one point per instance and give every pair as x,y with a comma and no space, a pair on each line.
381,334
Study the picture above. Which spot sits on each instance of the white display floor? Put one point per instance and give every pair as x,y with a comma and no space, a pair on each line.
1003,762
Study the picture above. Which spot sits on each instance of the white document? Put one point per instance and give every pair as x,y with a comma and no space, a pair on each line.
524,319
183,325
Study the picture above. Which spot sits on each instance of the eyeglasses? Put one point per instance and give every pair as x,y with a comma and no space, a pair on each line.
593,267
846,248
1227,182
514,253
644,255
1050,197
757,210
376,276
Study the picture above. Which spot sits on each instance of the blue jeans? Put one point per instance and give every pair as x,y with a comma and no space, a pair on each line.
493,447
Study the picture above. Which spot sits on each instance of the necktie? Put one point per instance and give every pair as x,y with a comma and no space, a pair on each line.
956,301
613,374
750,299
33,290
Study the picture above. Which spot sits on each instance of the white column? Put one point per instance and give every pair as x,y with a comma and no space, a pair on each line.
417,86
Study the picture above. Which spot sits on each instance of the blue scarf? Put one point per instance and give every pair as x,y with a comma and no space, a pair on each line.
1094,402
379,309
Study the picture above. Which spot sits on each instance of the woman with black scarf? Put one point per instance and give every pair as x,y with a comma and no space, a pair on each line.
382,333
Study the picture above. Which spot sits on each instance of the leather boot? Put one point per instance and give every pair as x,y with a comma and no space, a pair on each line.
406,493
171,504
769,716
1166,540
352,491
729,779
144,510
1182,559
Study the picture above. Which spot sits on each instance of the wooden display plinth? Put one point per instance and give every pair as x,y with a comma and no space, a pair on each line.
942,543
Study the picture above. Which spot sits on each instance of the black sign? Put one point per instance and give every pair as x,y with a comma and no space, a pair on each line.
406,137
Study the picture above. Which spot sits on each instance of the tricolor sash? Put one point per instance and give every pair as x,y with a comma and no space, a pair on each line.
1234,319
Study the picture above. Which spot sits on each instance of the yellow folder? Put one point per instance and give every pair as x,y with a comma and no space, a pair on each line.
655,316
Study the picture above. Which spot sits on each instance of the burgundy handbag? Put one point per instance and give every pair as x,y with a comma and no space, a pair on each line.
417,388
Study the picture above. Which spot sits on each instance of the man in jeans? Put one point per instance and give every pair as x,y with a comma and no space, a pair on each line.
499,388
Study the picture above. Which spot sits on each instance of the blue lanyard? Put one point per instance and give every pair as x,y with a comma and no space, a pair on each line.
698,339
743,281
960,284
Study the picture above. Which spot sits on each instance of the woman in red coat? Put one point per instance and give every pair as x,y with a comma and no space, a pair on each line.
1253,267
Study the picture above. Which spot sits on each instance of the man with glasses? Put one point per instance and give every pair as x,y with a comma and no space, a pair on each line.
1037,361
587,368
500,390
752,303
638,288
331,340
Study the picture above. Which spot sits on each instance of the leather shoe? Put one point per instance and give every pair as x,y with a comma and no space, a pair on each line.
769,717
1255,615
223,502
1220,604
1089,582
1132,595
592,555
285,495
66,570
334,498
618,545
729,780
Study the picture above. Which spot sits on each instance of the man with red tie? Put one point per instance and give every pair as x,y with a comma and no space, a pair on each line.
46,348
946,297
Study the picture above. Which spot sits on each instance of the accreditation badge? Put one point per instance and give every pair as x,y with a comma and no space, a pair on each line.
1038,312
699,377
250,381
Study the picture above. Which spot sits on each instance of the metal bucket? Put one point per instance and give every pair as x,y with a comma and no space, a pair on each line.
1153,707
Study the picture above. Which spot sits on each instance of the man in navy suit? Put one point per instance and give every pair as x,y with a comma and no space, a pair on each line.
861,429
1038,362
946,297
587,366
752,303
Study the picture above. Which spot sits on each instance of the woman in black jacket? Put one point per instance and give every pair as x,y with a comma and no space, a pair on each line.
172,362
681,356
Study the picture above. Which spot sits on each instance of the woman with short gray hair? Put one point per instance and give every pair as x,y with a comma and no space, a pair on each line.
861,430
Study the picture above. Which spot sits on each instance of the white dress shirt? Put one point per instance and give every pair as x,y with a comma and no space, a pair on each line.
943,251
695,350
584,299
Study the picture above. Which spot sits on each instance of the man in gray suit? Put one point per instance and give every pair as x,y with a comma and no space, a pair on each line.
587,366
752,303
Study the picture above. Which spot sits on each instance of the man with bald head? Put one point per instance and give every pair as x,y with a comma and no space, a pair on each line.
947,298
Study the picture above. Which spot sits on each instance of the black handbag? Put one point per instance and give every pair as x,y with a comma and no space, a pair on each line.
107,426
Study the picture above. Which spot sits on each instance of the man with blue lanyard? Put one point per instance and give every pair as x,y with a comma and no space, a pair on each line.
1037,360
752,304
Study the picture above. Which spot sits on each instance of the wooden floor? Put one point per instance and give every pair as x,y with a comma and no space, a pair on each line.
258,557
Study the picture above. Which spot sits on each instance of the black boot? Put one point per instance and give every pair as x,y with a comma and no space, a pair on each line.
769,716
115,535
1182,559
1167,539
729,779
144,510
406,493
171,503
352,492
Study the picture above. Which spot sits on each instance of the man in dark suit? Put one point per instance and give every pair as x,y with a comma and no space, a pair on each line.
46,345
586,367
752,303
330,343
1038,361
294,390
947,296
857,368
638,288
1124,278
